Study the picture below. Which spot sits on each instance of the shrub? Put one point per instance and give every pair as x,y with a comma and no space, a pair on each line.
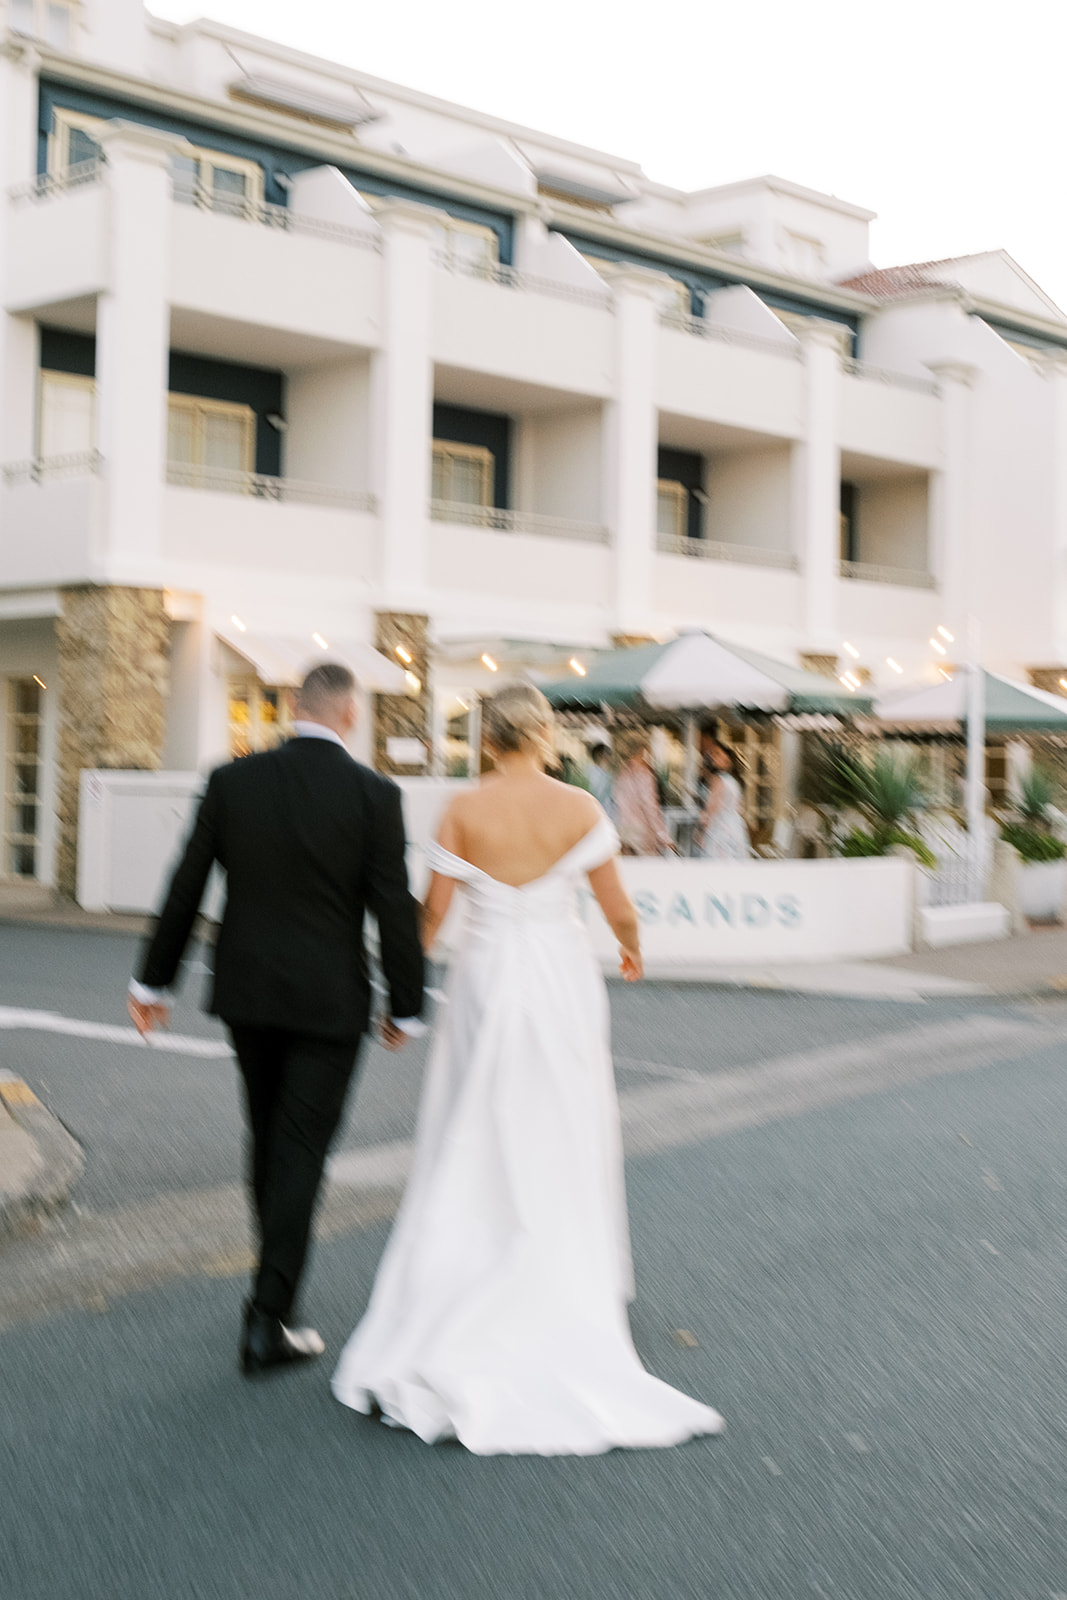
1033,844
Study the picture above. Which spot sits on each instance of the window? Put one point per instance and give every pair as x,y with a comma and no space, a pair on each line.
730,244
462,473
22,785
210,435
259,716
66,424
49,20
850,539
469,246
201,176
672,509
804,256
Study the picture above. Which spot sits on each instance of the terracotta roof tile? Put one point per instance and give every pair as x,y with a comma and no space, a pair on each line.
887,283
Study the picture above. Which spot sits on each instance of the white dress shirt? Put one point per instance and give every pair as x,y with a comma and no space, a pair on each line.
414,1027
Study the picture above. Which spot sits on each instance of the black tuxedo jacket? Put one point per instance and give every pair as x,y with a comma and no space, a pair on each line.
309,840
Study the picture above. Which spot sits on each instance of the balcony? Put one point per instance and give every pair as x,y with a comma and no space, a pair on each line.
714,583
540,560
260,525
891,415
902,577
51,520
529,330
722,375
57,239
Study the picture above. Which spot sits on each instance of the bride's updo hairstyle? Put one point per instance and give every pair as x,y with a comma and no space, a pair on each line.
518,717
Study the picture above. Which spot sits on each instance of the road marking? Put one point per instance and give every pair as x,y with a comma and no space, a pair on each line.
184,1044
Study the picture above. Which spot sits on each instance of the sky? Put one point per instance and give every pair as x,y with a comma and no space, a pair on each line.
944,117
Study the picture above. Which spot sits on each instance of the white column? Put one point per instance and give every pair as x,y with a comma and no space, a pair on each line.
816,467
402,402
631,431
1053,367
18,165
949,494
132,345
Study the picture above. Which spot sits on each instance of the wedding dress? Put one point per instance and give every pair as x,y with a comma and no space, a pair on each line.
498,1316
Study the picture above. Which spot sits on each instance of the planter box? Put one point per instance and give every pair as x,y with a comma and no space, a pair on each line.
1042,888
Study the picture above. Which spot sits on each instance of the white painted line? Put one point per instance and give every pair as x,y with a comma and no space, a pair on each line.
183,1044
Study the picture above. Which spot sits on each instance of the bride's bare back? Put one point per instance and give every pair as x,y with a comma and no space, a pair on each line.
518,823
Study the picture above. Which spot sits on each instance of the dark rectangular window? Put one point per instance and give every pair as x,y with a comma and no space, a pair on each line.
686,468
483,430
850,531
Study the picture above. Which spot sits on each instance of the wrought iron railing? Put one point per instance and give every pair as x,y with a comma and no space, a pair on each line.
903,577
281,218
750,555
518,522
701,328
50,184
222,480
512,278
899,380
47,469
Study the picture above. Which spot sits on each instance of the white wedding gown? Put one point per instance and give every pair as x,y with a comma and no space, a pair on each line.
498,1316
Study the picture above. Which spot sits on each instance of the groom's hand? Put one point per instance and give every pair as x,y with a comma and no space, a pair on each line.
145,1018
392,1037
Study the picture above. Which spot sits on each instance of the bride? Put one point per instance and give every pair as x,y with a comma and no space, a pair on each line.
498,1316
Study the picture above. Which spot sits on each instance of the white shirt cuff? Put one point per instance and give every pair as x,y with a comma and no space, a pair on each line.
149,997
414,1027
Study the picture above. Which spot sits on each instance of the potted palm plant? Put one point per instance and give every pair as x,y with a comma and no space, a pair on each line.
885,789
1042,865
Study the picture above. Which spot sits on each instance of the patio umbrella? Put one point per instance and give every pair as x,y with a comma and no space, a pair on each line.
1010,707
696,671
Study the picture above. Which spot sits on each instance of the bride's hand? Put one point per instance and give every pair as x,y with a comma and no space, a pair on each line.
631,966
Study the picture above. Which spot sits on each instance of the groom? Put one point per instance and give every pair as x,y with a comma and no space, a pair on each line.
309,841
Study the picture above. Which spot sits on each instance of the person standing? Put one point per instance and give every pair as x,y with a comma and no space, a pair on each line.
721,834
638,813
310,841
599,775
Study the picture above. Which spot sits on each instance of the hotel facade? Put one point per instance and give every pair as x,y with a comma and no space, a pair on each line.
296,362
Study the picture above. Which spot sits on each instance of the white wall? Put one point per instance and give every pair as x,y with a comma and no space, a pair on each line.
892,521
749,498
328,412
563,451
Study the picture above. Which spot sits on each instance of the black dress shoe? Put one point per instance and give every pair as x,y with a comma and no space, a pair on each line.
268,1343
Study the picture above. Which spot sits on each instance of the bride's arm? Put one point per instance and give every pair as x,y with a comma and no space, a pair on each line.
439,895
620,915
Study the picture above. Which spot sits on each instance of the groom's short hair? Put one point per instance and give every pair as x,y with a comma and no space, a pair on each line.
325,687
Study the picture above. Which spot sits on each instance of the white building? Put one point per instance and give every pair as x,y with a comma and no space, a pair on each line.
292,355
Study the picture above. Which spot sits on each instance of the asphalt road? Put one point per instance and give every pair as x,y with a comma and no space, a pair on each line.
876,1287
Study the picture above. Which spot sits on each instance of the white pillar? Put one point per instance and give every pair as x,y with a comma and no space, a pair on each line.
631,436
18,164
402,403
949,494
817,485
1053,367
132,346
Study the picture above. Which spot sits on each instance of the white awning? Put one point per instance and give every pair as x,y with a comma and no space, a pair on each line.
284,661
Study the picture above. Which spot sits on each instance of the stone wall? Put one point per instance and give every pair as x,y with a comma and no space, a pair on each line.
402,716
1051,679
824,665
113,680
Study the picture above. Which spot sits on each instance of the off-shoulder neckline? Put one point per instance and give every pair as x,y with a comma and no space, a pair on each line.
601,821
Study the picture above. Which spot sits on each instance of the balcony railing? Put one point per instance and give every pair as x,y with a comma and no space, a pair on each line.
903,577
222,480
50,184
749,555
512,278
900,380
281,218
47,469
701,328
518,522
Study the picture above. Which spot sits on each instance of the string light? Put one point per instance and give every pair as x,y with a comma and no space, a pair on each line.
576,666
487,661
1063,683
945,673
239,625
951,637
896,666
36,679
320,641
939,647
405,655
847,681
851,650
412,682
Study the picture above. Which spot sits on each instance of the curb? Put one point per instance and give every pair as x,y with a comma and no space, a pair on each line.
59,1160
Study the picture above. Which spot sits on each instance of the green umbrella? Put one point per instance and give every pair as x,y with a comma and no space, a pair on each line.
1010,707
696,671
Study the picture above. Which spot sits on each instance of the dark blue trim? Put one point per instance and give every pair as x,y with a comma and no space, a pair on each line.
68,352
850,523
687,468
490,430
701,282
277,161
1027,336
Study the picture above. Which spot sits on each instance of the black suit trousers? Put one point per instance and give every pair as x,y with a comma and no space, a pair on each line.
295,1089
